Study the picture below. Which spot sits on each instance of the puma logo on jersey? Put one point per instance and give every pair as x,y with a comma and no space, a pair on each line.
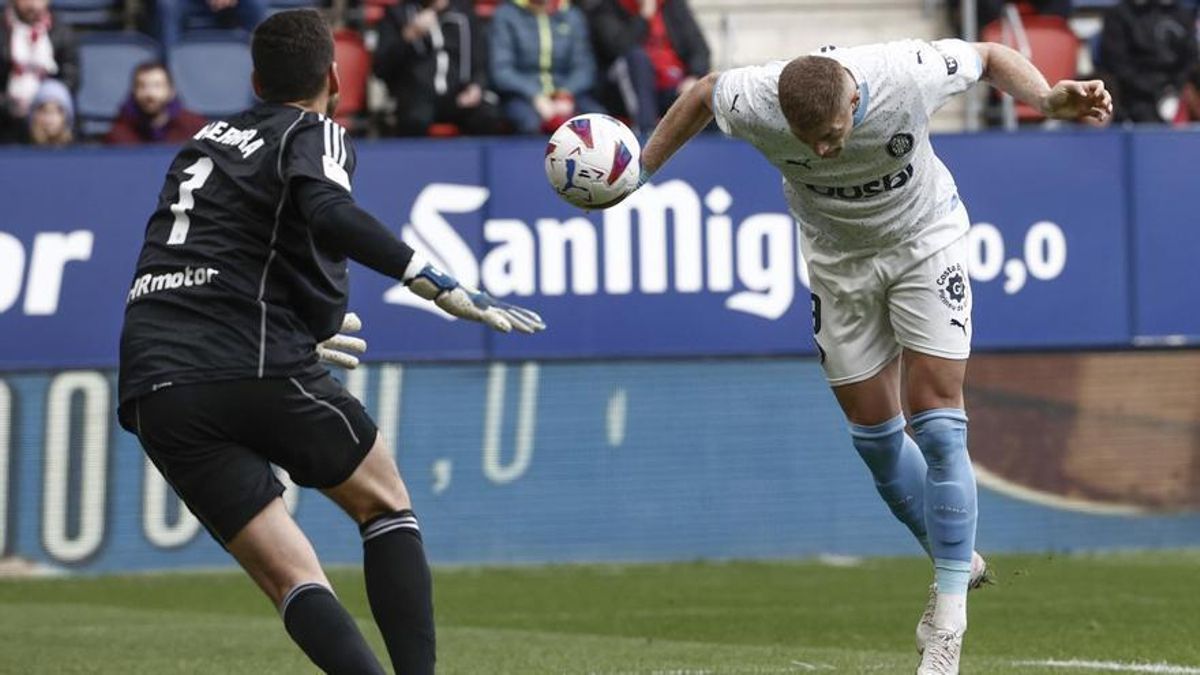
733,106
892,181
806,163
960,324
222,133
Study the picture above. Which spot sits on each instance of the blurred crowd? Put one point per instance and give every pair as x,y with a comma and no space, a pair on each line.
1145,50
470,67
448,67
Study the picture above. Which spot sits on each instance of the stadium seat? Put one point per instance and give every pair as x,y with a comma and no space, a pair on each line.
373,10
1054,50
106,63
443,130
354,67
212,72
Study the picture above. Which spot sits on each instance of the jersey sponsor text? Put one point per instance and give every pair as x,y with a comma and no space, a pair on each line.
153,283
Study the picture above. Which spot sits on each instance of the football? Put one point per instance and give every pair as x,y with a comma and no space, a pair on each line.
593,160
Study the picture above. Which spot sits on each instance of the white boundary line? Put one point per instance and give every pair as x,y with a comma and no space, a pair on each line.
1113,666
1006,487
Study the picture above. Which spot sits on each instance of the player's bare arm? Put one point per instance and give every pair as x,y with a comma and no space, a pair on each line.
688,116
1008,71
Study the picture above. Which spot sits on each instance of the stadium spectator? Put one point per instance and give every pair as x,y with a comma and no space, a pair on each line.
32,48
153,112
1191,97
651,51
171,16
432,55
542,63
1147,51
51,115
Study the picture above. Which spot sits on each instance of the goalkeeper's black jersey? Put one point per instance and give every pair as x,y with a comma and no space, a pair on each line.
230,282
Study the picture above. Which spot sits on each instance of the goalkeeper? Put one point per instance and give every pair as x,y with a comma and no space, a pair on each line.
240,288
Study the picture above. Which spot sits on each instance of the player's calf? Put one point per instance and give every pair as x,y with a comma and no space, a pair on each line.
950,508
899,470
399,585
280,559
400,590
326,632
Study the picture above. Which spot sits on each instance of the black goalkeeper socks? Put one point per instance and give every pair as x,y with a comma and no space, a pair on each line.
400,590
326,632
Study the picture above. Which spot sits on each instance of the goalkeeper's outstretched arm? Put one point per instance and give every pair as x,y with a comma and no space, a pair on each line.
337,222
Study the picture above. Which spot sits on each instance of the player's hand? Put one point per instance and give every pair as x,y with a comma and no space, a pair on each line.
643,177
544,106
340,350
420,25
467,303
470,96
1088,102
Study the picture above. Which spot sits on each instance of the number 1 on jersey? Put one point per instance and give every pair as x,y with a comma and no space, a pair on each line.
199,172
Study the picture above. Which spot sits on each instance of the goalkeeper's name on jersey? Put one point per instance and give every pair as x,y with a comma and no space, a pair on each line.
153,283
221,132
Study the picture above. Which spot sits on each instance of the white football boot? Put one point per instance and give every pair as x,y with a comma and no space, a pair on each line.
925,628
941,653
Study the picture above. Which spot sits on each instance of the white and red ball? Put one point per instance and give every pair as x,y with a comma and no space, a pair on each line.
593,160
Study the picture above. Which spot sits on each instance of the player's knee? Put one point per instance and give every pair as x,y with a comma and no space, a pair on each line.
374,489
932,393
941,434
879,445
374,498
934,383
383,505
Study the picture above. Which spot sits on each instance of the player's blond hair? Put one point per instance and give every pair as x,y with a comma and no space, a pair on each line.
811,91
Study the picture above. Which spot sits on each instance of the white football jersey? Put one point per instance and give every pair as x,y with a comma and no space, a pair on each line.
887,188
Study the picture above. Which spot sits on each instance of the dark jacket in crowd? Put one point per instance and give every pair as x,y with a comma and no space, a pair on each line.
1147,50
413,69
615,31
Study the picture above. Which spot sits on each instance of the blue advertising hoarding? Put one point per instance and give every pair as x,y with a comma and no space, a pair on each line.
1049,233
703,262
1166,240
558,461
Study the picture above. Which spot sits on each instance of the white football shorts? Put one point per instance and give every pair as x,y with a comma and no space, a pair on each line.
866,309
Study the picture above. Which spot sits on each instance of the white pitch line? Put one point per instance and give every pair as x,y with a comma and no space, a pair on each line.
1114,666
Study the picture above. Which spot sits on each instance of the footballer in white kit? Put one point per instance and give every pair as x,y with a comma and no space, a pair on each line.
883,232
881,220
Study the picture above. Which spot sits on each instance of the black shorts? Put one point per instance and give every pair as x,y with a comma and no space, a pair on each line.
214,442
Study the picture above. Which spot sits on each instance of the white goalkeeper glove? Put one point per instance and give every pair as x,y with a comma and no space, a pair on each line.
340,349
464,302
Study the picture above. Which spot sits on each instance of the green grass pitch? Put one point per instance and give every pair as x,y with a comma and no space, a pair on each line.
1117,610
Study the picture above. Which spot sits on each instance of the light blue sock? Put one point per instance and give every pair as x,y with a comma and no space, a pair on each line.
951,576
899,470
950,509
